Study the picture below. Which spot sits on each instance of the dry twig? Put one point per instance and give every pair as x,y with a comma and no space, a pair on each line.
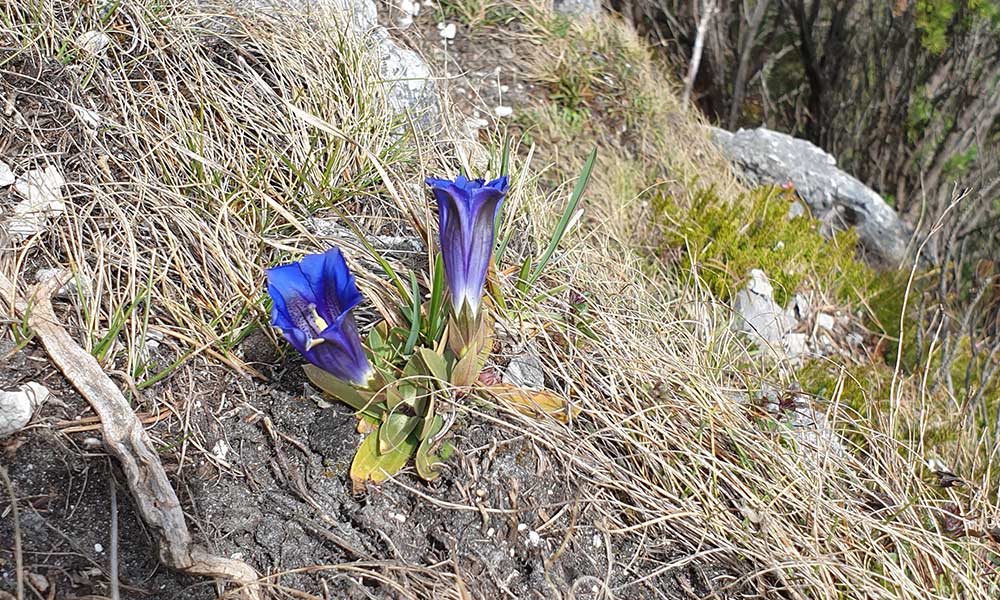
127,440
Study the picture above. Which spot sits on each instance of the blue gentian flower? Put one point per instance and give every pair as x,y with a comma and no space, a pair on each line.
467,210
313,299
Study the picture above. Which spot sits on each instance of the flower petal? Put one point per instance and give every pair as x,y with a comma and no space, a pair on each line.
341,353
292,296
333,285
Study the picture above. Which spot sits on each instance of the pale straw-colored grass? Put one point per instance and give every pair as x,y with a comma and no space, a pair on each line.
210,175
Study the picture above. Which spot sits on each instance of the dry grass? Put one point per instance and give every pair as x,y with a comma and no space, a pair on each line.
200,174
209,176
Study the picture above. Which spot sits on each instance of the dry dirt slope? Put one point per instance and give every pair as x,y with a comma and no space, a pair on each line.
200,176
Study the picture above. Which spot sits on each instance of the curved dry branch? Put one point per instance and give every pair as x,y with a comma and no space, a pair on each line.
126,440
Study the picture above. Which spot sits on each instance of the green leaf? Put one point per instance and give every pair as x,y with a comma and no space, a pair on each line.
428,464
430,427
411,339
436,364
574,201
394,430
370,465
436,314
343,391
522,276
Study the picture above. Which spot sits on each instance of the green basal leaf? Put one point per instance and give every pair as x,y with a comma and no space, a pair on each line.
430,426
343,391
428,464
394,430
437,364
370,465
376,338
393,397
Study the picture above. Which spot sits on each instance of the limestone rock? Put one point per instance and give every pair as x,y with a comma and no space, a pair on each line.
583,8
758,314
16,408
833,196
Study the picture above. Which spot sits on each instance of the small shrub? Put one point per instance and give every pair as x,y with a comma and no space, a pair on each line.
724,241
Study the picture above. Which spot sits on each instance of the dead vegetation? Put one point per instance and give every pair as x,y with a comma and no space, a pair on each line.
221,134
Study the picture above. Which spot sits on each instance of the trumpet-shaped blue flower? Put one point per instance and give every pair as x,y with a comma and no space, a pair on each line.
467,210
313,299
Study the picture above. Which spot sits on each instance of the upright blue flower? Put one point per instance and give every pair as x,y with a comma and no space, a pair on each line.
313,299
467,210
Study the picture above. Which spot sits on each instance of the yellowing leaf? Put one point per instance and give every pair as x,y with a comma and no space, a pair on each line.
534,402
369,465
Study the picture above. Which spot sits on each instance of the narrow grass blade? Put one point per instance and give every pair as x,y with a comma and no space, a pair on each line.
574,201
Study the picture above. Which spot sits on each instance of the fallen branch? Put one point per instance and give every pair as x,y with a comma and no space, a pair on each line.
126,439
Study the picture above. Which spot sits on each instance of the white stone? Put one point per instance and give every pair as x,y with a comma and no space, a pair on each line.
77,285
93,42
16,408
42,193
6,175
824,321
758,314
503,111
522,527
534,538
98,548
525,371
449,31
795,344
409,7
220,450
90,118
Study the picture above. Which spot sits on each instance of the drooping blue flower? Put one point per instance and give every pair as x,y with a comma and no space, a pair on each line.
467,210
313,300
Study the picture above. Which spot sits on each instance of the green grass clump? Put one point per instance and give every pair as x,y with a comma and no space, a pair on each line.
725,240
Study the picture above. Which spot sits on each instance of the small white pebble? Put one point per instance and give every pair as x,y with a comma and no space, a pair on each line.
409,7
533,538
481,492
398,516
220,450
90,443
504,88
449,31
596,540
595,588
236,556
503,111
98,548
521,527
93,42
490,532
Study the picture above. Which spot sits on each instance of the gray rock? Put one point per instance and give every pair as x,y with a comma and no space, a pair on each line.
6,175
837,198
16,408
758,314
815,439
796,210
795,345
362,14
410,88
825,321
525,371
799,307
583,8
